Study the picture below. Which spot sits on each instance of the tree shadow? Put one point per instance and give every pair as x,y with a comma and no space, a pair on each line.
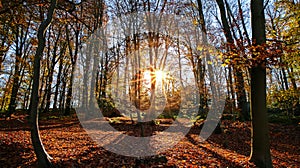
99,157
17,125
224,161
233,138
14,154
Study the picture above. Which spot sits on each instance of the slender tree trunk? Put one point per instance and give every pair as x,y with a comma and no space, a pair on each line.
238,74
230,45
97,87
94,69
63,91
278,80
73,61
19,69
208,59
70,92
285,81
243,22
233,106
58,78
42,90
16,77
105,77
241,95
51,72
86,69
27,97
260,145
41,154
49,92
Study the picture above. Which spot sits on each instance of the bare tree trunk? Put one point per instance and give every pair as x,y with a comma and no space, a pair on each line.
207,56
63,90
44,160
285,81
238,74
41,89
73,61
70,92
260,145
243,22
231,88
58,78
27,96
230,46
16,76
51,72
86,71
241,95
95,66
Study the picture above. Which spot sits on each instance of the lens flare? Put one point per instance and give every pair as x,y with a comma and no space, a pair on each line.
149,77
160,75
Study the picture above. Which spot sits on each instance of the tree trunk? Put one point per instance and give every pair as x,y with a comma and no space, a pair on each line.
27,97
238,74
260,145
285,81
211,75
15,88
70,92
58,78
241,95
63,91
243,22
16,76
73,64
95,67
51,72
42,90
86,69
44,160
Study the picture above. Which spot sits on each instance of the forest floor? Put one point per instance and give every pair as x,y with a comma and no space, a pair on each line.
70,146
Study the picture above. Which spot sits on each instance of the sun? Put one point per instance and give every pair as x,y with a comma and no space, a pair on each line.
158,75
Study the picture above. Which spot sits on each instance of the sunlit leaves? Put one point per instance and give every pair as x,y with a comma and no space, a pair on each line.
286,31
283,99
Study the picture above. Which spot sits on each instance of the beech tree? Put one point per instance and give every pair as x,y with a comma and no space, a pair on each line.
42,155
260,145
237,51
